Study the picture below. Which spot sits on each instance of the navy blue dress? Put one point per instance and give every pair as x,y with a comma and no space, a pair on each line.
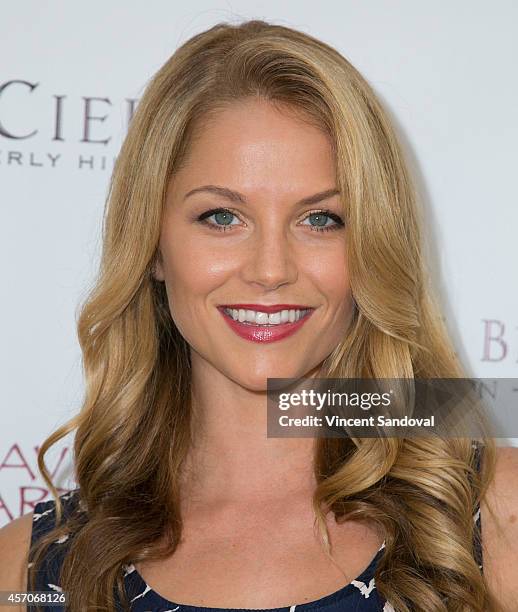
360,595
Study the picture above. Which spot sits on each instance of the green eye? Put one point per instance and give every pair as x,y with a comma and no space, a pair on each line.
321,218
222,216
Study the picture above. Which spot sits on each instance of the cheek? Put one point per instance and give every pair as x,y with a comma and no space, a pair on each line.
196,268
191,271
329,272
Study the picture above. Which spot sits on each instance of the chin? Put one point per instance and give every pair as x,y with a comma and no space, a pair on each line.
258,379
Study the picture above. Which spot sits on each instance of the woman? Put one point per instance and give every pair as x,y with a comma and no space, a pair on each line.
261,183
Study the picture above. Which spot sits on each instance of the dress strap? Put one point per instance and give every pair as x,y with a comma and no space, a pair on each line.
44,521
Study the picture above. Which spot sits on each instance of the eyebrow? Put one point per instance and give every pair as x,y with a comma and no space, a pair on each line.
235,196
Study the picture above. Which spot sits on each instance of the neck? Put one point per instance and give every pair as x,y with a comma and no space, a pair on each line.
232,458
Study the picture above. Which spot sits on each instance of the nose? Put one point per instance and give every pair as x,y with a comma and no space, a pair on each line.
272,260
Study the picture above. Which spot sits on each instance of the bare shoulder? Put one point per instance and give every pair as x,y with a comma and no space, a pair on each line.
15,538
500,532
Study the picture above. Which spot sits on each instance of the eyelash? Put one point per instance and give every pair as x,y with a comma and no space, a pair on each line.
223,228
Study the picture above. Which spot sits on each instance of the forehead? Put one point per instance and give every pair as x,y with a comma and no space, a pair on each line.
258,145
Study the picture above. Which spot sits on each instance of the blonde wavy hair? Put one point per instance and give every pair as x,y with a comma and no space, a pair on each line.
134,428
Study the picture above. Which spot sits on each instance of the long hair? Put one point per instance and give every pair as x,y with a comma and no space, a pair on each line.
134,428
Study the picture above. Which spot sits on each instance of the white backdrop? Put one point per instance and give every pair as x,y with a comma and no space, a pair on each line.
70,73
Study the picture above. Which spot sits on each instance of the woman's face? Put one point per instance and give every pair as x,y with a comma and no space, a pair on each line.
268,247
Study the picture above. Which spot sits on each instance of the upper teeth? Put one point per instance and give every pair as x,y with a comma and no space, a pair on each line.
263,318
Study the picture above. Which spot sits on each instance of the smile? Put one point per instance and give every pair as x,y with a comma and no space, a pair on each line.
258,325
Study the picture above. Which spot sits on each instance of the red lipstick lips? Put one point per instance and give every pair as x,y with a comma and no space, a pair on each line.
267,332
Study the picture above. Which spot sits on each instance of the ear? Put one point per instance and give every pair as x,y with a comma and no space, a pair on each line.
157,269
